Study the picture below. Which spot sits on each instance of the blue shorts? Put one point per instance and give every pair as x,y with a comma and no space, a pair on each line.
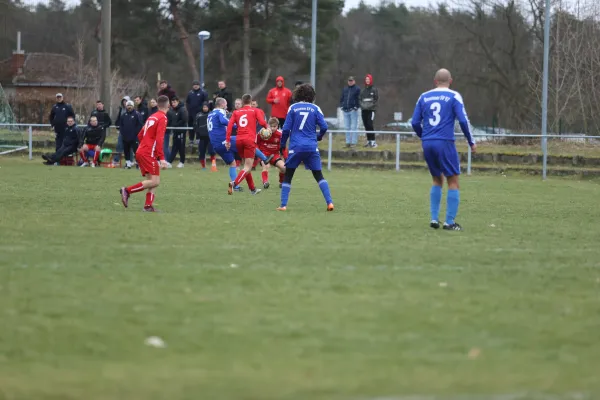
441,157
227,155
311,160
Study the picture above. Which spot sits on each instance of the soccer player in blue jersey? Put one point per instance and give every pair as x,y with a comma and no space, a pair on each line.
301,128
433,121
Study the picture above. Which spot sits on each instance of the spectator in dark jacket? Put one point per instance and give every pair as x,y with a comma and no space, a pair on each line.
298,83
369,98
193,104
58,118
350,103
131,124
141,107
164,89
204,146
120,112
223,92
102,115
92,139
177,117
69,144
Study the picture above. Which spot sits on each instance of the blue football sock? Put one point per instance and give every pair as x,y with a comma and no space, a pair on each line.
452,205
285,193
261,155
324,186
435,198
232,173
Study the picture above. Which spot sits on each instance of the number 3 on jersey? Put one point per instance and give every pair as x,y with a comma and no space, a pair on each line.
435,109
244,121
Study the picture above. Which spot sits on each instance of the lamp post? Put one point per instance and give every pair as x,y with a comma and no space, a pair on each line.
313,45
202,35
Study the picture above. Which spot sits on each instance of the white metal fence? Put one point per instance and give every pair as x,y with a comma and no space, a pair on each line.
393,134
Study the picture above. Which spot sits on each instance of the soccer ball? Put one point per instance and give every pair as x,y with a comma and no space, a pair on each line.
265,133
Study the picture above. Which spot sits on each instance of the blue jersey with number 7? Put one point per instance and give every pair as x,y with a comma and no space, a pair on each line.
301,121
437,110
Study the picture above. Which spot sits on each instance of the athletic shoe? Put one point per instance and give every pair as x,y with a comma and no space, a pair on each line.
230,190
282,208
266,185
46,157
268,160
368,144
85,164
128,164
149,209
434,224
180,165
238,189
330,207
47,163
169,165
453,227
255,192
124,196
374,144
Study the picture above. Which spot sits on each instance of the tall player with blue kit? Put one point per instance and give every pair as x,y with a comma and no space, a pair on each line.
433,122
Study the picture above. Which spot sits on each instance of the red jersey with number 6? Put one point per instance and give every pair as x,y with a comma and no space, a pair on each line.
246,119
152,136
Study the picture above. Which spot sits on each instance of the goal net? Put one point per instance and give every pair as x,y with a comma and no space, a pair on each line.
13,138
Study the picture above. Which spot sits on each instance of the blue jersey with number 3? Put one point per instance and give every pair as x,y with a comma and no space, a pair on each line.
302,120
437,110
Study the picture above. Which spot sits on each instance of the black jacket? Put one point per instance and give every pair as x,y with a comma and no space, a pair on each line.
93,135
194,101
152,111
200,124
71,138
226,94
103,118
178,118
143,110
131,124
59,114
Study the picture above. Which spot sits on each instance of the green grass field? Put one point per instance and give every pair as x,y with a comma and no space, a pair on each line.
363,303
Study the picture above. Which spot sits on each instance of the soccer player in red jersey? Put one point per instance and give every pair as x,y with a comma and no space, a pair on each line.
151,139
271,146
246,119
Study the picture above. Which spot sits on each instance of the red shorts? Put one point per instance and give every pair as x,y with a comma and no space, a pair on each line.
246,147
91,146
148,165
276,157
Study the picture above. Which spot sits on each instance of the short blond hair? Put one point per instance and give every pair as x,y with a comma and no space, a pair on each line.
273,121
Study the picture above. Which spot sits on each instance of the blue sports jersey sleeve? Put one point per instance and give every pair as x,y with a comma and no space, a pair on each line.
301,123
463,119
417,119
322,124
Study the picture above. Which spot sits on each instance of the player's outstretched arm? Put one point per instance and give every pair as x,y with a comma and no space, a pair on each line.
322,125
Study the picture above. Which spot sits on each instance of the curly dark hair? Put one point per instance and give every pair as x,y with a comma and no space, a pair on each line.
305,93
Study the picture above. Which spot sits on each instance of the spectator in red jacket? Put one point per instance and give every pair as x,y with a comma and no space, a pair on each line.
280,99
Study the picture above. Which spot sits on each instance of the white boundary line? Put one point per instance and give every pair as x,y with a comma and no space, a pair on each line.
13,150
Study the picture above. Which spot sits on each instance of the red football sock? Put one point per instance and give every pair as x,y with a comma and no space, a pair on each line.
250,181
149,199
203,162
96,155
238,163
240,177
138,187
265,176
83,156
281,177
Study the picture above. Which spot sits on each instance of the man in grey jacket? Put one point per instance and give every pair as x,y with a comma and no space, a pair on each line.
369,97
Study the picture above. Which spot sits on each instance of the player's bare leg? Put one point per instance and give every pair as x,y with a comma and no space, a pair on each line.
435,198
246,174
453,199
150,184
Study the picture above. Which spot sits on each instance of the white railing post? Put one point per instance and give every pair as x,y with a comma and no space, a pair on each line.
469,161
30,142
329,150
397,152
